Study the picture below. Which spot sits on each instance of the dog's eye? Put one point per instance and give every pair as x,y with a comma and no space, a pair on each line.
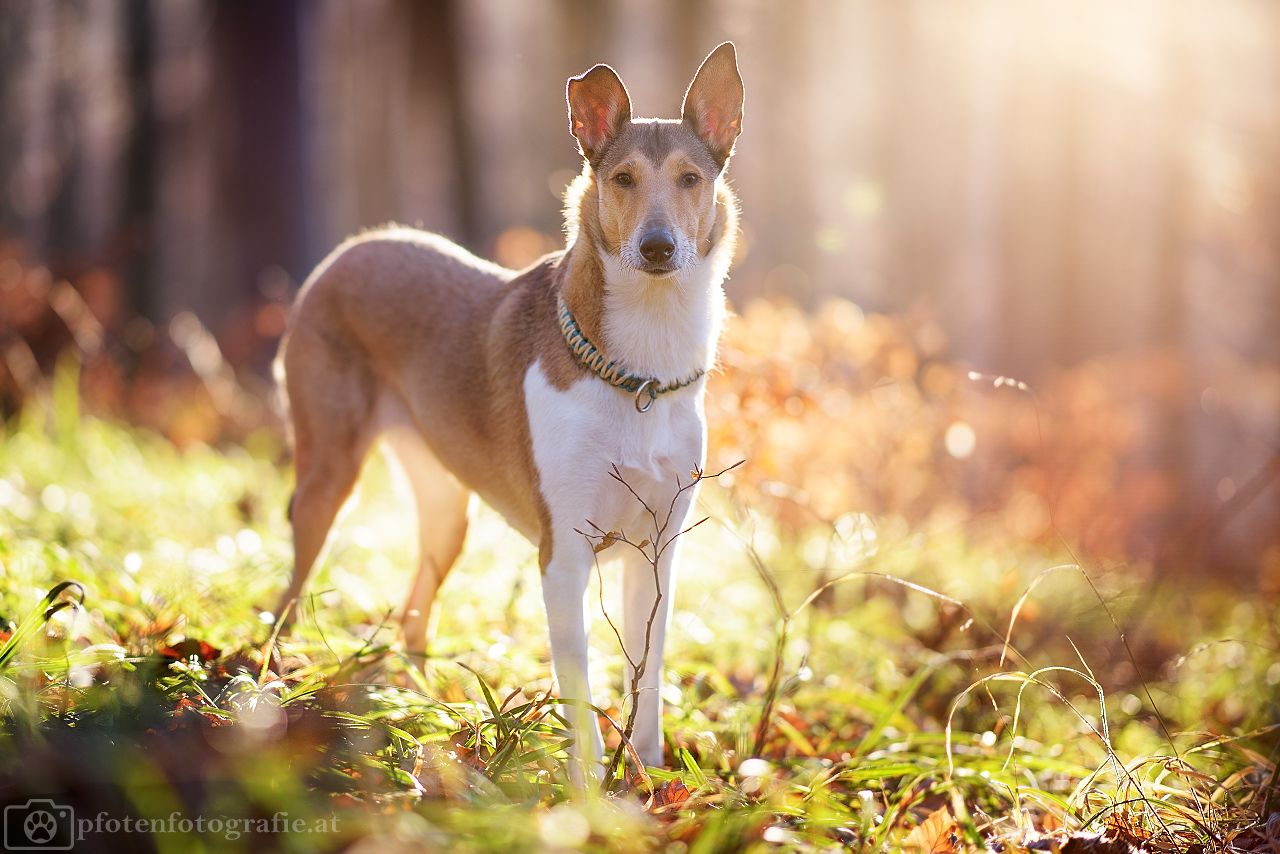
689,179
623,179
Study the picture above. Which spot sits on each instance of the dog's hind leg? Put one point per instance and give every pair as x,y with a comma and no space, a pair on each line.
442,526
332,424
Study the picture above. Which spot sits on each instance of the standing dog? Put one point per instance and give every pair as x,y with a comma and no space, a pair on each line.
529,388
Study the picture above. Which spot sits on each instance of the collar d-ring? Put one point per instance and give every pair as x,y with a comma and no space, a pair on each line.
644,386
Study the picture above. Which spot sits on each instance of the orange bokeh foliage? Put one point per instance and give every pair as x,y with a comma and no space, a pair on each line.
836,412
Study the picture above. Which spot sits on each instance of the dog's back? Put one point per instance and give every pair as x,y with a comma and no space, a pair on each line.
396,298
387,292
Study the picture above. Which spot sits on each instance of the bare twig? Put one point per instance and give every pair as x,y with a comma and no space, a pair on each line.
652,550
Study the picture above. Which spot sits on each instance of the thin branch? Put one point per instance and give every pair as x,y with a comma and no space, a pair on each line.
658,544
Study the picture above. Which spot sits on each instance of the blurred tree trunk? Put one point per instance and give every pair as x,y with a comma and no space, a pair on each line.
981,290
135,247
258,165
34,173
435,74
385,136
187,258
780,205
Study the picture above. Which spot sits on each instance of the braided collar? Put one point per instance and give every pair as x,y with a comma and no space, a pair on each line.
599,364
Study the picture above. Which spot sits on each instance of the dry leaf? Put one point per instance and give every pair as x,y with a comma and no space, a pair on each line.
672,793
185,650
186,707
608,540
935,835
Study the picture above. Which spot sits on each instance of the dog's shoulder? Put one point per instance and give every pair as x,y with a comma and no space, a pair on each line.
526,330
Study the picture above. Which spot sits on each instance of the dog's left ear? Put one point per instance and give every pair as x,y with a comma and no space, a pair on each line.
713,105
599,109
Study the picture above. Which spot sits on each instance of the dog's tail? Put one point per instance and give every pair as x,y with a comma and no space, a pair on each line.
278,400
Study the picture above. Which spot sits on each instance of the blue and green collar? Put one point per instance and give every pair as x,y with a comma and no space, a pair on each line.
599,364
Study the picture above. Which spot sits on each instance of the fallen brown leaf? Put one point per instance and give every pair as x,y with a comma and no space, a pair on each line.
935,835
672,793
188,648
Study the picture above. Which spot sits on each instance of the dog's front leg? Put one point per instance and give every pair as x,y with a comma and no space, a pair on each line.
646,584
564,588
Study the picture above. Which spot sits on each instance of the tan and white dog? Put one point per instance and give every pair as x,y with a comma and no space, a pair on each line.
529,388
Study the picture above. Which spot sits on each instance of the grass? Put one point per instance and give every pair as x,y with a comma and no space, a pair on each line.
841,687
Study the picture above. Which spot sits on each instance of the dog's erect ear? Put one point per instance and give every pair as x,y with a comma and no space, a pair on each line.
598,109
713,104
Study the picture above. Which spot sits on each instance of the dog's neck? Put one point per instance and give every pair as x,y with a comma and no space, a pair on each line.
665,329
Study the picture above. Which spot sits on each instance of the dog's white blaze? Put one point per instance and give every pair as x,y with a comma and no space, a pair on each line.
579,433
663,328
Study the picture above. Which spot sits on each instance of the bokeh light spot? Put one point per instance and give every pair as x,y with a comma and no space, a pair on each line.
54,498
960,440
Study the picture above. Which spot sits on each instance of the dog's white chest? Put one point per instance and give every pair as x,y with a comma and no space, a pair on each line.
581,433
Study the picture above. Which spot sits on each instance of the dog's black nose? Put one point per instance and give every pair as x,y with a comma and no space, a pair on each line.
657,246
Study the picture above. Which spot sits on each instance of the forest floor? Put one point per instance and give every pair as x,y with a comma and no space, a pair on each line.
937,694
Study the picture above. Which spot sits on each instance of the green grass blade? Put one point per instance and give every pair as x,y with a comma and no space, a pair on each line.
872,736
40,615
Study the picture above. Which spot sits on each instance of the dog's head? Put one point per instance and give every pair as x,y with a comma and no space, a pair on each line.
656,180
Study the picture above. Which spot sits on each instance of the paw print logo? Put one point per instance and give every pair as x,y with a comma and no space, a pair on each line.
40,827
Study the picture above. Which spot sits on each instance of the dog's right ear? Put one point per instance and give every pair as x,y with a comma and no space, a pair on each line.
598,109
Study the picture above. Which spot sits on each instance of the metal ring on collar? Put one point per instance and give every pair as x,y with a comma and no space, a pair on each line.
644,386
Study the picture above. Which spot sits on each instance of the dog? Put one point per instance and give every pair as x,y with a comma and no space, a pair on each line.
532,389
